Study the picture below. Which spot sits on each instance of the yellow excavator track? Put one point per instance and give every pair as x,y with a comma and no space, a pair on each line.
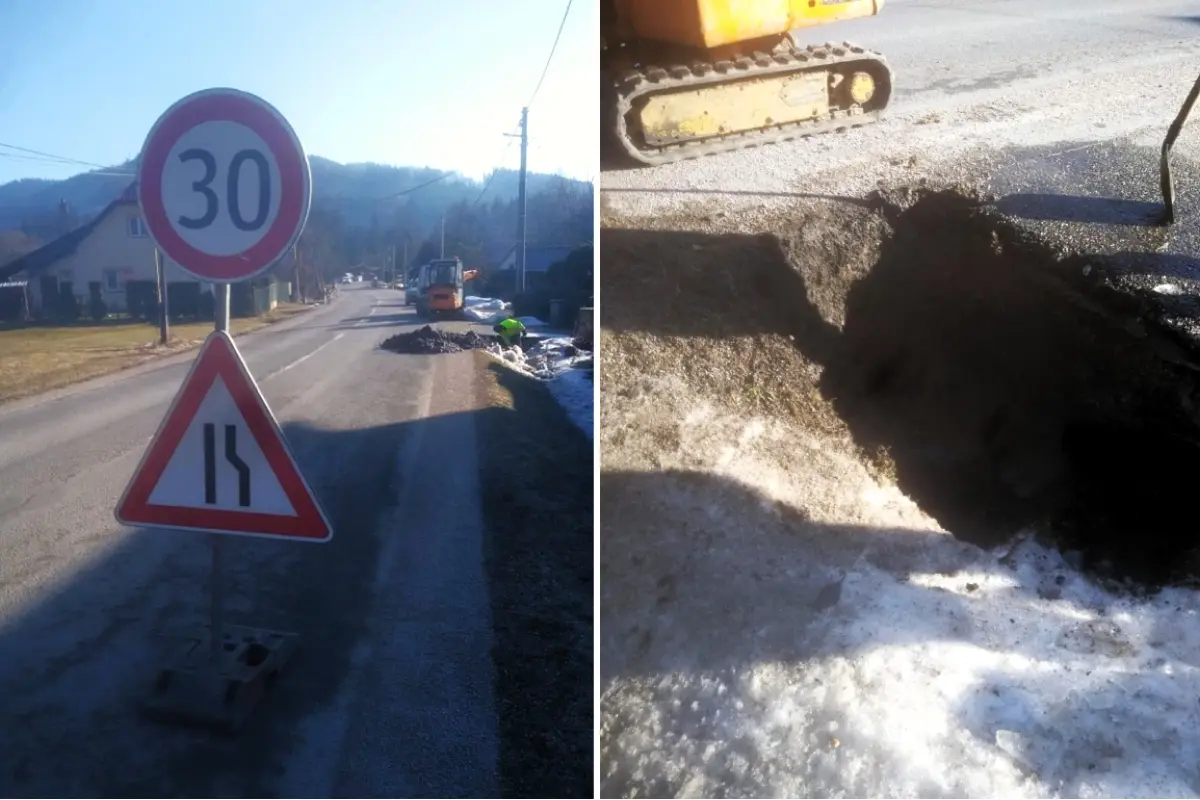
667,114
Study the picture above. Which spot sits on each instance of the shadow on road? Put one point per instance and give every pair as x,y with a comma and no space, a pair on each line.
538,491
854,201
81,733
740,641
377,321
1064,208
971,365
79,658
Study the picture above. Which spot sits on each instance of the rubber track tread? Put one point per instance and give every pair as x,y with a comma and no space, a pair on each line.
634,84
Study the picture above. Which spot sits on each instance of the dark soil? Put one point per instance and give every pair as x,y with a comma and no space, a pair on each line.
537,476
429,340
1002,385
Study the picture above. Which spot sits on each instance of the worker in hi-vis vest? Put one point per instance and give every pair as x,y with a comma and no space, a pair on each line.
511,331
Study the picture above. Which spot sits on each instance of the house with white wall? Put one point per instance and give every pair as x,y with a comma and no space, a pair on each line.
101,256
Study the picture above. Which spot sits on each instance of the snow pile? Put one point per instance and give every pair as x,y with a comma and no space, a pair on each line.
487,310
554,356
533,323
778,624
566,369
1009,676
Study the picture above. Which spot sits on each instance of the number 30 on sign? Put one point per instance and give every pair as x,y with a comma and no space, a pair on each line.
224,185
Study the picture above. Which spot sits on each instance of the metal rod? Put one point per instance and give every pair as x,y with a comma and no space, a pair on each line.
215,608
164,333
221,304
1167,185
216,541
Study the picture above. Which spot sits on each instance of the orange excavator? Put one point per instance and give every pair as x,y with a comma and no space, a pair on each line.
686,78
447,278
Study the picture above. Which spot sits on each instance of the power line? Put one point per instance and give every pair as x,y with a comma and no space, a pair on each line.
553,47
541,78
403,192
92,174
496,171
35,159
57,158
545,69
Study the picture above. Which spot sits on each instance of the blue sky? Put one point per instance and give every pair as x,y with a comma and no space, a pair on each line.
409,82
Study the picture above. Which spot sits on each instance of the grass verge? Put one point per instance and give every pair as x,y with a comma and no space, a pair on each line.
38,359
536,470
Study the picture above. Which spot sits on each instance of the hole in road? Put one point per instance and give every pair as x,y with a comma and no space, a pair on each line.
986,376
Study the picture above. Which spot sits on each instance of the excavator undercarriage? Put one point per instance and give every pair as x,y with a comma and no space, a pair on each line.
671,100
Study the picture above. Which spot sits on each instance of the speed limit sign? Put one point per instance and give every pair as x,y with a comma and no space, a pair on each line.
224,185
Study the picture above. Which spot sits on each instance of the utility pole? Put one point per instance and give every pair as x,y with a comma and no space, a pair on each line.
443,255
521,203
164,331
296,296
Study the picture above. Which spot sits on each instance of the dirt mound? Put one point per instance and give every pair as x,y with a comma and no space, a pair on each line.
428,340
996,381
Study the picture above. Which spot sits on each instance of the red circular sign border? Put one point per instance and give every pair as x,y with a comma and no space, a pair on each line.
260,117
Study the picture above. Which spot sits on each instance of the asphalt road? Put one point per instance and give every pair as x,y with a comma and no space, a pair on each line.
390,693
972,77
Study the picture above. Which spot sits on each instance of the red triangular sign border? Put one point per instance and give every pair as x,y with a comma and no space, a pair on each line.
219,357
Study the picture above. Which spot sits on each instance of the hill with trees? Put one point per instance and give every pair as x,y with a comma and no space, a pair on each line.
360,213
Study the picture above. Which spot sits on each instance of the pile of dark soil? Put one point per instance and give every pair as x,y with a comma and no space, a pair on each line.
430,341
991,376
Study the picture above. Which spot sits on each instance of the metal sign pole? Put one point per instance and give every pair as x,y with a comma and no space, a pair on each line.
215,540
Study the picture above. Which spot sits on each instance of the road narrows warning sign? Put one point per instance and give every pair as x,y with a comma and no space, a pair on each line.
220,463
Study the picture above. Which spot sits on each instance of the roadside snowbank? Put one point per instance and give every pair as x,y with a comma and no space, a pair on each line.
566,369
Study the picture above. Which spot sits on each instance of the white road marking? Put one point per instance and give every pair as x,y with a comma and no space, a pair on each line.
367,318
302,358
307,356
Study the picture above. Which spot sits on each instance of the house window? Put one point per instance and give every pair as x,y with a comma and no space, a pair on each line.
112,281
137,228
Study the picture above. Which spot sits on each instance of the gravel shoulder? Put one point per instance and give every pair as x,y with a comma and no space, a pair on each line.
536,470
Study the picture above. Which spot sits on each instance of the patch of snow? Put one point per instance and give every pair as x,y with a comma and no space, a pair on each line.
490,310
574,391
487,310
843,647
566,369
1020,679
